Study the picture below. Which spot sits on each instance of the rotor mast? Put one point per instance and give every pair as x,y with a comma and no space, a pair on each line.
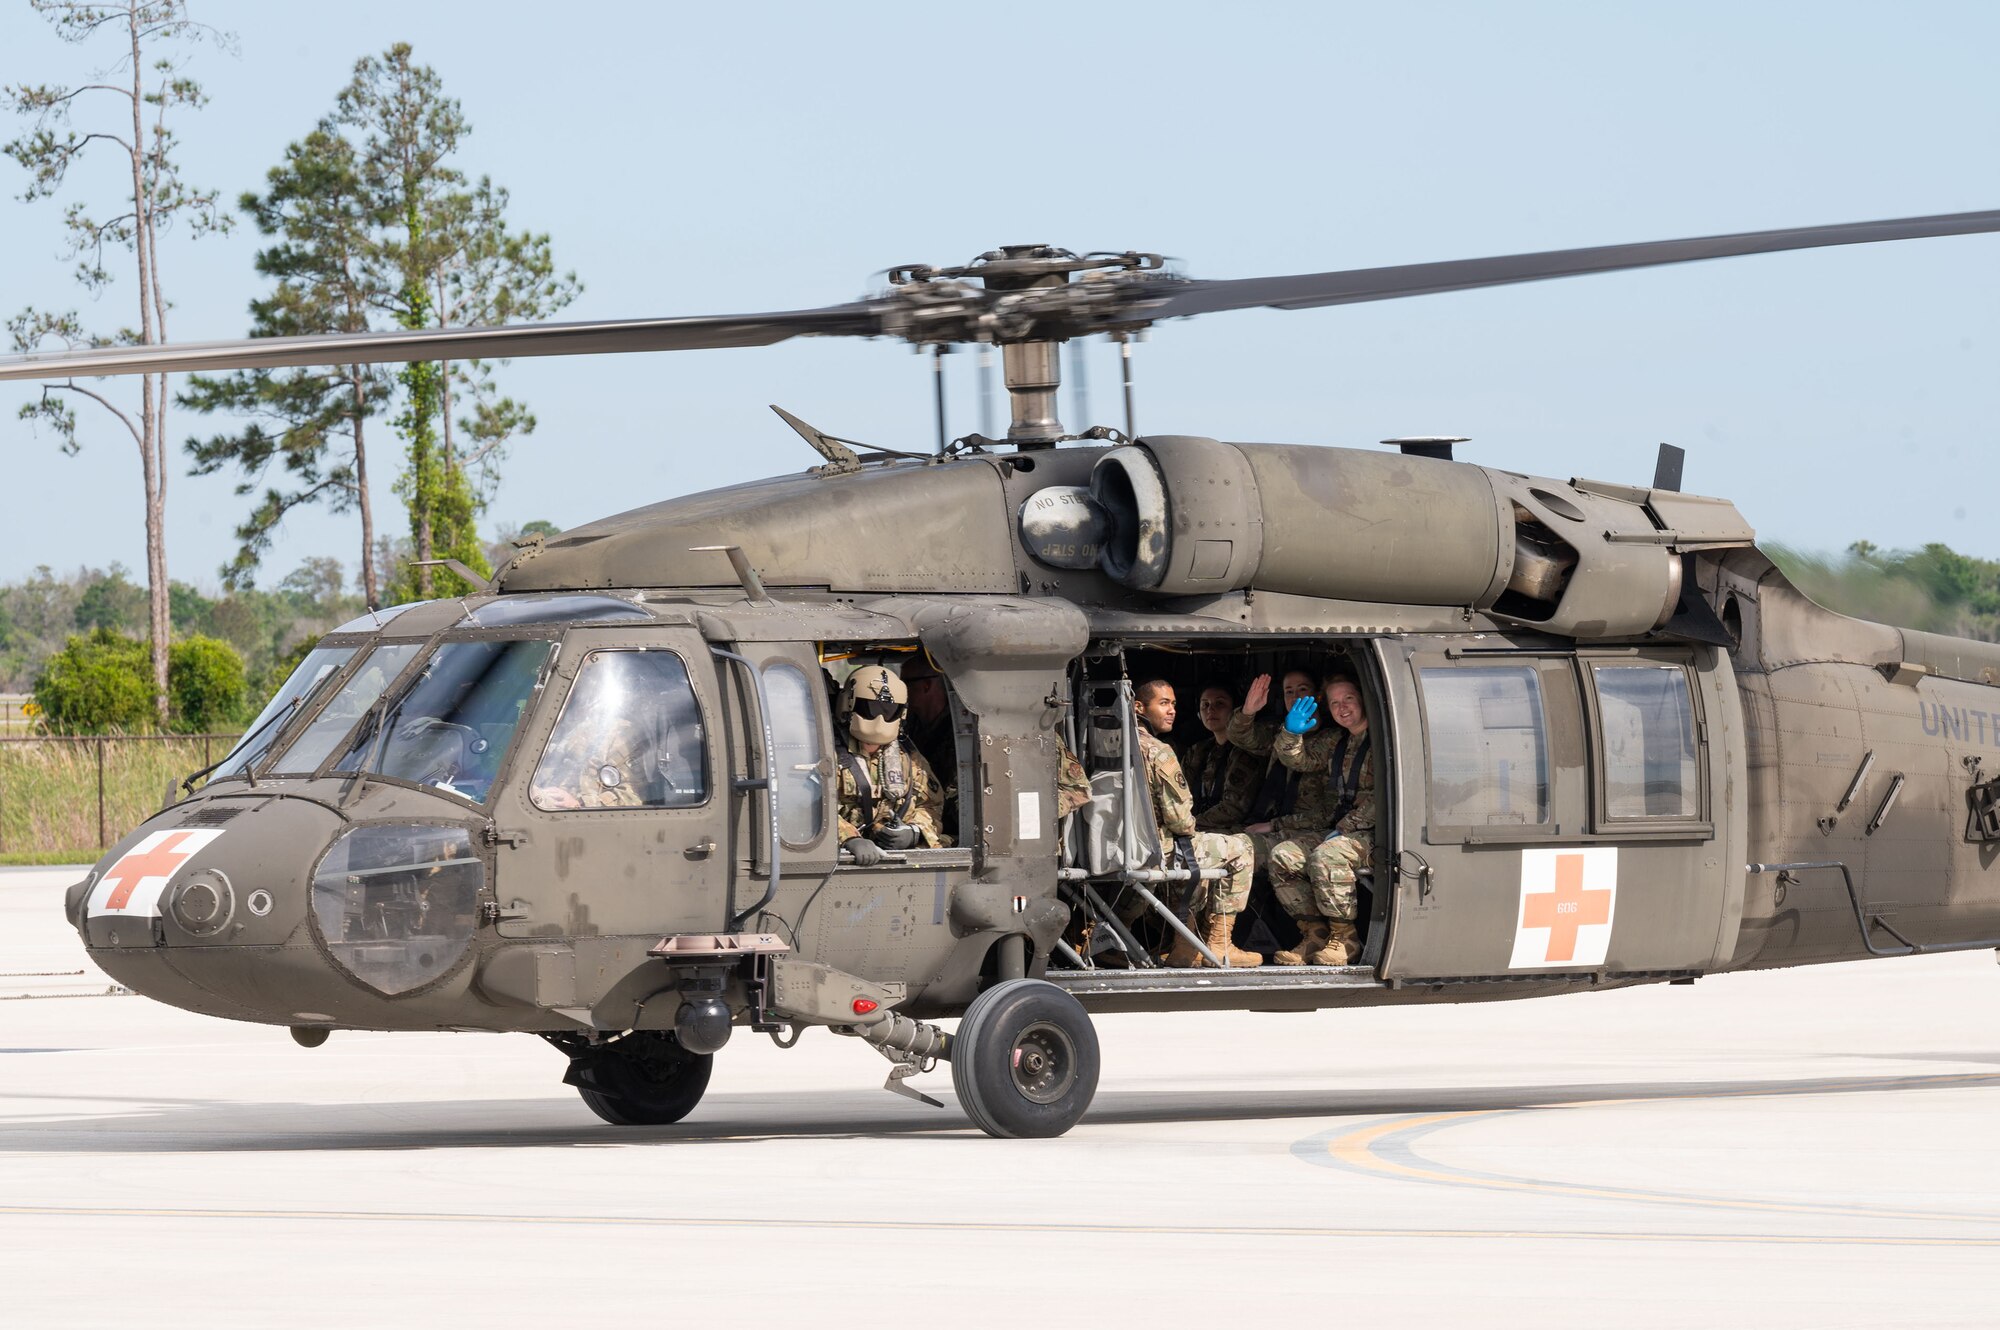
1032,370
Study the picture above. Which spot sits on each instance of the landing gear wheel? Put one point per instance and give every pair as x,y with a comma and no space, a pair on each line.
645,1079
1024,1061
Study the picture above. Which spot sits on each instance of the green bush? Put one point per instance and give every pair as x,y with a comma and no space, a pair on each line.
205,685
101,681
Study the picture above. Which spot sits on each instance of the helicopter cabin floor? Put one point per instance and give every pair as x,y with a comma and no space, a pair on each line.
1260,988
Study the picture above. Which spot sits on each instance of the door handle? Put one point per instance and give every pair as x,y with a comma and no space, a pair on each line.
1423,871
701,849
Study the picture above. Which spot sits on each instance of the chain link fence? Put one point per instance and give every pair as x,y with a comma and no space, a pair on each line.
75,796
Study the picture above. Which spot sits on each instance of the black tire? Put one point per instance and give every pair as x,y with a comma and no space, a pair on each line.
1024,1061
644,1080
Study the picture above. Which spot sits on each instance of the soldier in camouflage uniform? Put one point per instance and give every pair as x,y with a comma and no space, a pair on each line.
594,763
889,797
1219,773
1216,904
1315,881
1303,808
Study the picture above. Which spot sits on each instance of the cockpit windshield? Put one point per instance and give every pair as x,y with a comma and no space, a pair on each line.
321,664
361,691
450,726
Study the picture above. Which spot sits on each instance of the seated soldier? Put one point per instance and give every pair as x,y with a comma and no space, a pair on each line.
1288,804
927,727
889,798
597,756
1315,880
1218,771
1214,904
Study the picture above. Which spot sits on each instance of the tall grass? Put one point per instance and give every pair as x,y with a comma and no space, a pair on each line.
49,789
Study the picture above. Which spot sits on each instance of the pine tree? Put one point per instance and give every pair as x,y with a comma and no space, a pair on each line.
159,198
314,205
378,226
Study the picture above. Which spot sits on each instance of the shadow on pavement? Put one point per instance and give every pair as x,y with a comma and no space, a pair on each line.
208,1126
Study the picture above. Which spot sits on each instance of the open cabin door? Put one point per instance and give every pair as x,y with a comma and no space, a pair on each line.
1564,805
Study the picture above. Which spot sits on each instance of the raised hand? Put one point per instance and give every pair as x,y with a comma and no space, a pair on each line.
1259,694
1299,720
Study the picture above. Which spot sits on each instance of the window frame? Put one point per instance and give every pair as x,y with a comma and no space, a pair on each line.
583,659
1675,826
818,719
1561,717
407,679
301,725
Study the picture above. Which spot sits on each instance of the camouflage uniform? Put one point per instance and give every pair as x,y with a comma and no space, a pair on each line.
1316,878
899,787
1173,808
598,762
1221,777
1298,829
1072,785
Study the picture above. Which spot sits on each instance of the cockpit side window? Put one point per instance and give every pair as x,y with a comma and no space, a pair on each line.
630,736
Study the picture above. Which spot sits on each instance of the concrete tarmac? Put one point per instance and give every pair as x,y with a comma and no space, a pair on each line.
1804,1148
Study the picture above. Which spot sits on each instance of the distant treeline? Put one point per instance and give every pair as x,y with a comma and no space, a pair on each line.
1935,588
76,641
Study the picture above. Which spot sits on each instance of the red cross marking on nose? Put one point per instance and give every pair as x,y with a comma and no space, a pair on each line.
163,860
1566,909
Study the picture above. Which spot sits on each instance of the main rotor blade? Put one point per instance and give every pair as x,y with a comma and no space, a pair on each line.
523,339
1307,290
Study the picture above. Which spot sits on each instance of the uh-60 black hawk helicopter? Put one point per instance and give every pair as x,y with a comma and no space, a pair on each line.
1614,745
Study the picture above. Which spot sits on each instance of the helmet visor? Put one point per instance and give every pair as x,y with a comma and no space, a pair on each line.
878,708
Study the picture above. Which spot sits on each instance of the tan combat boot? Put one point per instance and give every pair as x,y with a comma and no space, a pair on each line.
1216,935
1312,936
1182,955
1342,946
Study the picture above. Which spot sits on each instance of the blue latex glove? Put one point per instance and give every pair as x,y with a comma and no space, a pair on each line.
1299,720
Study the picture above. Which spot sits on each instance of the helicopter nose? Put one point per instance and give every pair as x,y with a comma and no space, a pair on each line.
281,910
204,874
197,886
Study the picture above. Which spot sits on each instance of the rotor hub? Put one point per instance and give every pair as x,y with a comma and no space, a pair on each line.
1022,299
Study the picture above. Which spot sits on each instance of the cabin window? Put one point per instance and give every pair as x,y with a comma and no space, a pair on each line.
1646,739
1489,747
630,736
795,758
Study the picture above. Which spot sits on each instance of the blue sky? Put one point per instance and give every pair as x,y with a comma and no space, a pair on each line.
695,159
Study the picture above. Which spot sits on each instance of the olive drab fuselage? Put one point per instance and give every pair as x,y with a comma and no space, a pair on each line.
1598,717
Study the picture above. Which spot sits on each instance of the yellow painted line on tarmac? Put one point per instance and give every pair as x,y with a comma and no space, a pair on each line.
1362,1150
967,1226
